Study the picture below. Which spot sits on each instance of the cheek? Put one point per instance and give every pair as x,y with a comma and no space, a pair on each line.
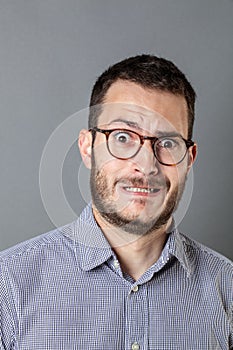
103,161
109,167
176,175
100,156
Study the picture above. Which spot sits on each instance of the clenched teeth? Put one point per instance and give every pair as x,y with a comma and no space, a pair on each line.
142,190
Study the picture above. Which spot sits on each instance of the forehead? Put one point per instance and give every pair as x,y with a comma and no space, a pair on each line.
150,110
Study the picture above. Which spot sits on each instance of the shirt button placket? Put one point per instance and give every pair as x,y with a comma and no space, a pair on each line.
137,316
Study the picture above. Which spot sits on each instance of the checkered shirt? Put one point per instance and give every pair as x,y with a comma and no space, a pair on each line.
65,290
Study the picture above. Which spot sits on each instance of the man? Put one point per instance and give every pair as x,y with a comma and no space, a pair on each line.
122,276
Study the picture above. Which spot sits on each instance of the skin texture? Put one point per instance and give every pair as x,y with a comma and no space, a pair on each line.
136,223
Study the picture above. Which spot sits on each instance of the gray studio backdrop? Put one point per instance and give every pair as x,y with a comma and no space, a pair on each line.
51,53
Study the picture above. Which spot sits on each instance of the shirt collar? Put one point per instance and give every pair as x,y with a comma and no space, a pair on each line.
93,249
180,247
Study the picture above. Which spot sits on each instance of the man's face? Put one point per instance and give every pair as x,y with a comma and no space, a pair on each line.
138,194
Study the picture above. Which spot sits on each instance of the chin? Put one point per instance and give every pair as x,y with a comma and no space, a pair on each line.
141,213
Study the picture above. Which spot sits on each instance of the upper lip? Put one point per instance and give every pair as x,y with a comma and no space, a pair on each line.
143,187
148,188
142,184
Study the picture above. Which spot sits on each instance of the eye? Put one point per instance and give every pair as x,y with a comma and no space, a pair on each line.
167,143
123,137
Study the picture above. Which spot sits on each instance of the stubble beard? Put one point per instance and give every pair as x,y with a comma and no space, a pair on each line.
106,207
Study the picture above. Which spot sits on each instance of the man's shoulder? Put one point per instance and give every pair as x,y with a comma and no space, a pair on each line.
204,257
35,245
61,236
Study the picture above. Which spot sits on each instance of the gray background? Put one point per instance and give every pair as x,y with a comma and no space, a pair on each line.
51,53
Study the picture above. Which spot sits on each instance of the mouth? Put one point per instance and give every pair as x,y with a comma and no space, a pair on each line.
141,190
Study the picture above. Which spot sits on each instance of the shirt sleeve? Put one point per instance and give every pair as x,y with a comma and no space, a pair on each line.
230,317
7,337
231,335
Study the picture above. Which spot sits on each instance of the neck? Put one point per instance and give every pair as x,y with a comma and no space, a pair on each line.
135,253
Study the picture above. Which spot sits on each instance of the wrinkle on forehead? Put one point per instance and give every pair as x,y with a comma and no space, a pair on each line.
134,116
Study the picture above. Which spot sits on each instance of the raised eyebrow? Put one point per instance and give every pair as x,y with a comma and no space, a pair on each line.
128,123
135,125
167,134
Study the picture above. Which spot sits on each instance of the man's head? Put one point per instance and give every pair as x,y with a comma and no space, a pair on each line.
138,191
149,72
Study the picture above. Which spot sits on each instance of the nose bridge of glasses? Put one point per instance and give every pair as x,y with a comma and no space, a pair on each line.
145,160
146,153
151,140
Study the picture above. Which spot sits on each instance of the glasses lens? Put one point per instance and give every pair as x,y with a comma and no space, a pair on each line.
123,143
170,150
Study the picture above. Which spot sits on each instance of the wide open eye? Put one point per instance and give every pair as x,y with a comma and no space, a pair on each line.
123,143
123,137
167,143
170,150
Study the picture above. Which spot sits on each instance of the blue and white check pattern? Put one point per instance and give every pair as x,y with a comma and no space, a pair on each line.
65,290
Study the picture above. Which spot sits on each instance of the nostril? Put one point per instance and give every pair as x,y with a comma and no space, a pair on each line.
147,169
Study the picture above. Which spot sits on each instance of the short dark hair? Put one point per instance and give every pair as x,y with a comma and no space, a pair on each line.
150,72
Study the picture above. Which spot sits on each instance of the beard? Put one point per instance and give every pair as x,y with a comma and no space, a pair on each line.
104,202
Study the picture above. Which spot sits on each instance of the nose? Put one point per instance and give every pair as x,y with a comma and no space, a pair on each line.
145,162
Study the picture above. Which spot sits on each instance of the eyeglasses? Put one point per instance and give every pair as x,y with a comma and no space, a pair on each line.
125,144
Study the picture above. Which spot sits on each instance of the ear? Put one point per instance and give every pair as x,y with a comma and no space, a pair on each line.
85,147
192,155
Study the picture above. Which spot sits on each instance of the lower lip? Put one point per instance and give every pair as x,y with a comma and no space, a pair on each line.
140,194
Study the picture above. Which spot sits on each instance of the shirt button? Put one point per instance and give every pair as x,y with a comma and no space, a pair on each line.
135,346
116,264
135,289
